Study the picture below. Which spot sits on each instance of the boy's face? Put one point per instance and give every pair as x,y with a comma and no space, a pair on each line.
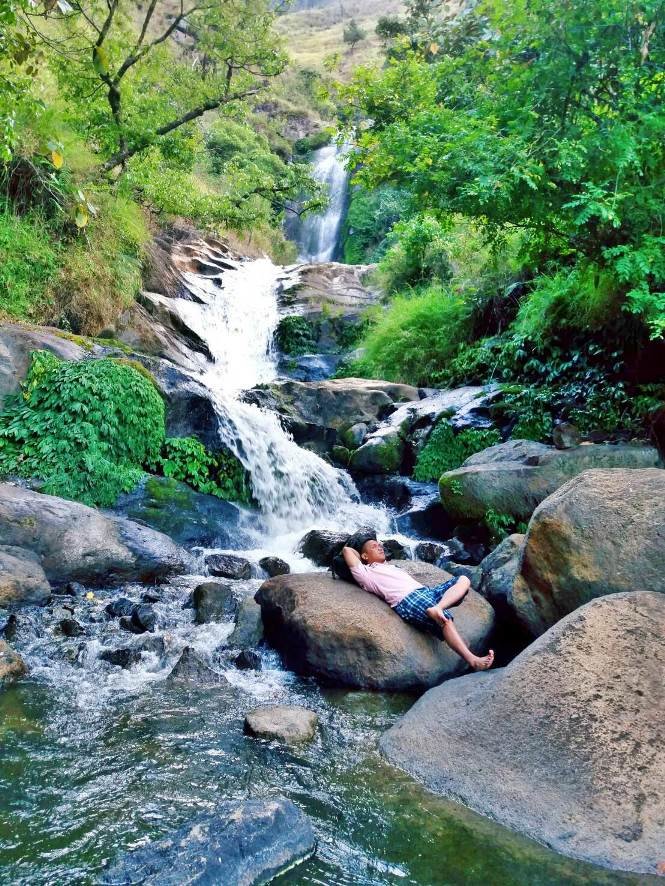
372,552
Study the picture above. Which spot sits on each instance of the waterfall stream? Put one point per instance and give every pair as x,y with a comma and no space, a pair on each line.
293,487
317,235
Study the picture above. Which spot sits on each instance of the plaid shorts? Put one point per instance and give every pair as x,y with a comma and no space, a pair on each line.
413,607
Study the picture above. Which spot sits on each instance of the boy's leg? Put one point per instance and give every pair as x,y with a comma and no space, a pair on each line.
450,598
453,639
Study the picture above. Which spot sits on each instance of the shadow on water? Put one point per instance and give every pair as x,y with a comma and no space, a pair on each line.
82,784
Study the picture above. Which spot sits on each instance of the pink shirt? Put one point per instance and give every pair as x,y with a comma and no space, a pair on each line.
389,582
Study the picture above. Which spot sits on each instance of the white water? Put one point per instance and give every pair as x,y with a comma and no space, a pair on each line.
296,490
319,234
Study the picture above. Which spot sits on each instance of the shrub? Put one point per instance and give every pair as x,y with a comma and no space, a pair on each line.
414,337
85,428
371,215
221,474
417,254
296,335
445,450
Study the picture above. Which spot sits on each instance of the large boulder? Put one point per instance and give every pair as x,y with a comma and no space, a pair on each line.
499,583
214,601
78,543
381,453
601,533
22,579
513,478
188,517
12,665
566,744
240,844
16,344
337,632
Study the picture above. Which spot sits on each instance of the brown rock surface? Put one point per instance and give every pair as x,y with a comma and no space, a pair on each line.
22,579
291,724
601,533
338,632
566,744
12,665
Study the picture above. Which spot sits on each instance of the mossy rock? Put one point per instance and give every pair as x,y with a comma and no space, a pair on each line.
380,454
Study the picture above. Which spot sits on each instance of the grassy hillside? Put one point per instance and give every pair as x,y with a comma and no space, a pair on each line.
315,32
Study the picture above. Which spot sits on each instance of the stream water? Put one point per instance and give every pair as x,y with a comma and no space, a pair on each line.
96,759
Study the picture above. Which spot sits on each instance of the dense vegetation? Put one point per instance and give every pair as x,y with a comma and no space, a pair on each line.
89,428
523,145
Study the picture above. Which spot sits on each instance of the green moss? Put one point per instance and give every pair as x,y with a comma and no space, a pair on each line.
445,450
297,335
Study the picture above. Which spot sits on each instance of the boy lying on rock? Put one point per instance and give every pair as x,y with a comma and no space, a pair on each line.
425,608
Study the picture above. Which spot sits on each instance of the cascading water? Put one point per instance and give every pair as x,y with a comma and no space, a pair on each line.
294,487
318,235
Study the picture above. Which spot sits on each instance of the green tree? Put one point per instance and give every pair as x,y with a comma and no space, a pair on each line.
354,34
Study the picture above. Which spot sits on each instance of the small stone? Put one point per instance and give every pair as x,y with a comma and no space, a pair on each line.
8,626
119,607
191,668
150,597
214,601
144,618
248,660
248,631
274,566
12,665
126,624
121,658
70,627
288,723
566,436
229,566
74,589
431,551
354,436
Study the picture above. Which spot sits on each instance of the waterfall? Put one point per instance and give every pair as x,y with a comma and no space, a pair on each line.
237,319
318,235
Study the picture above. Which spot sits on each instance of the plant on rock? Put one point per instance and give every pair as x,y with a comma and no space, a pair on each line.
445,450
85,428
221,474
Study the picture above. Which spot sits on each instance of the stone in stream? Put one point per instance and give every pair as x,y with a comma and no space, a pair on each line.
12,665
120,606
566,744
22,579
248,630
601,533
78,543
124,657
321,545
190,668
144,618
214,601
395,550
274,566
291,724
248,660
513,478
69,627
228,566
431,551
240,844
337,632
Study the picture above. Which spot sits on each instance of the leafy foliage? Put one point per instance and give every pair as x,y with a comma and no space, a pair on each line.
28,262
445,450
85,428
370,217
500,525
296,335
221,474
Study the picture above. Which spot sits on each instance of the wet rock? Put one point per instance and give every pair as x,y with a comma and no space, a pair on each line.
381,453
473,573
339,633
120,606
144,618
514,478
188,517
354,436
431,551
241,843
214,601
190,410
340,455
22,579
12,666
70,627
425,514
75,589
288,723
248,660
274,566
321,545
456,550
565,744
78,543
121,658
7,625
601,533
248,631
309,367
190,667
566,436
153,643
229,566
499,571
126,623
395,550
150,597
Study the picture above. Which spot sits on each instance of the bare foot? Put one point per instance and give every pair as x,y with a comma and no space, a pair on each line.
436,614
484,662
